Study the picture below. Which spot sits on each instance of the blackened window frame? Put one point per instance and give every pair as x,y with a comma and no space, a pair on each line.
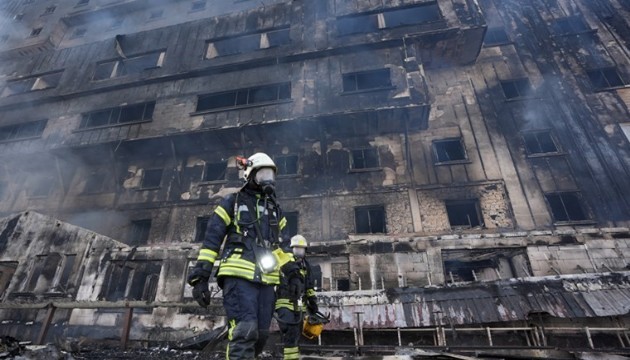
352,82
243,43
372,212
364,159
33,83
608,74
521,86
436,146
470,206
16,132
542,140
201,226
148,175
569,25
293,222
115,116
119,67
563,200
210,168
369,22
139,231
496,36
284,163
242,98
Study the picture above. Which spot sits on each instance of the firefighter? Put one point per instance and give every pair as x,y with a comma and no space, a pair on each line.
296,291
250,226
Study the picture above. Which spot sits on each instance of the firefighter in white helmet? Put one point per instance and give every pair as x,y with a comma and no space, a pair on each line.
295,294
250,227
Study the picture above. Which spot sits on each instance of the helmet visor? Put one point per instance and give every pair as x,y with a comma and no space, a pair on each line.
265,175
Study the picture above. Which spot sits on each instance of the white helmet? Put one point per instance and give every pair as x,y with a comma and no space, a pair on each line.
299,241
257,161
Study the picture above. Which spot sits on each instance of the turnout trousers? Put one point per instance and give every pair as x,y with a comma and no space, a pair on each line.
290,324
249,308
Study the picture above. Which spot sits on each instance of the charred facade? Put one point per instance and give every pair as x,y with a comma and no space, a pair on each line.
442,157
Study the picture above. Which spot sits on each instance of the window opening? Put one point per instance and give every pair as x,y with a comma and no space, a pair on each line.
463,214
566,206
35,32
449,150
200,228
214,171
496,36
569,25
366,80
118,115
243,97
540,142
365,159
152,178
292,222
32,129
517,88
605,78
287,165
140,231
370,219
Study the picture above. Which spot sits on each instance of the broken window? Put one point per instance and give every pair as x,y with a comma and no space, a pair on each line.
495,36
214,171
370,219
343,284
245,43
539,142
200,228
389,18
286,165
463,214
517,88
151,179
412,15
566,206
292,222
140,232
51,273
36,31
7,269
365,159
449,150
243,97
605,78
28,130
32,83
485,265
131,65
569,25
131,280
366,80
118,115
198,5
357,24
77,33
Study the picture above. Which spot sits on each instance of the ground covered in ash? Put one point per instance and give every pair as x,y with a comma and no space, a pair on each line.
150,354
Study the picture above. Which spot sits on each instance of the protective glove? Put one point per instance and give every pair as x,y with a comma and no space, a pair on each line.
311,304
296,286
198,279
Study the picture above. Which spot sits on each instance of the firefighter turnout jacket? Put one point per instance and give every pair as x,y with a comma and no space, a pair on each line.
285,296
237,220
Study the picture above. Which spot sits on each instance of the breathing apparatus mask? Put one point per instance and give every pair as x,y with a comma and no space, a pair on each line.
299,252
266,179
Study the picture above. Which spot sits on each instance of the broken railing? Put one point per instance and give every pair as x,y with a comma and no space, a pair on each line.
536,336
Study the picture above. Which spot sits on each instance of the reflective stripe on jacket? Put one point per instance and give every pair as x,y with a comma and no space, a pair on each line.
239,233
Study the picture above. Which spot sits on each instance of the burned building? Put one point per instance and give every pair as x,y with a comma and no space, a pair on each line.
457,164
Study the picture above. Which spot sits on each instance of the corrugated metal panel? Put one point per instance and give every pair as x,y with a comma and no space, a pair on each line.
573,296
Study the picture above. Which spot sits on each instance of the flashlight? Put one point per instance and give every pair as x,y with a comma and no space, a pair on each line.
267,263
